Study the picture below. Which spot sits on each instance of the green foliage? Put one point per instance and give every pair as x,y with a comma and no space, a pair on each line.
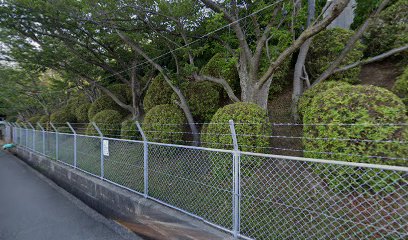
223,66
307,97
34,119
326,46
203,99
44,121
74,102
164,123
401,86
251,126
81,112
159,92
364,106
389,30
62,116
363,10
122,91
250,119
103,103
129,130
279,41
108,122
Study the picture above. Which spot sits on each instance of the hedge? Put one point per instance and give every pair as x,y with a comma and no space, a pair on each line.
203,99
308,95
164,123
122,92
81,113
108,121
104,103
366,107
34,119
76,101
401,86
159,92
129,130
325,48
388,30
223,66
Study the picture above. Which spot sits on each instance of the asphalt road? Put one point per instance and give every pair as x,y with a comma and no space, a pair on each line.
31,208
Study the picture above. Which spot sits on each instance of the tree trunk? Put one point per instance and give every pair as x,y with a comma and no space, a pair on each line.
299,66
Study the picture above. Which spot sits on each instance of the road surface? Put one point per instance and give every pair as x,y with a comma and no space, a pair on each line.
32,208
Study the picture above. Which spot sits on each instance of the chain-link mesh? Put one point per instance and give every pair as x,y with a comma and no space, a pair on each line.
29,141
124,165
38,136
89,154
50,145
66,148
23,138
185,178
290,199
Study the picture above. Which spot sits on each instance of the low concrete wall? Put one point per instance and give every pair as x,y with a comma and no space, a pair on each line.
113,201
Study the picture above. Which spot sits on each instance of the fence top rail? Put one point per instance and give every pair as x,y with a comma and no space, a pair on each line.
324,161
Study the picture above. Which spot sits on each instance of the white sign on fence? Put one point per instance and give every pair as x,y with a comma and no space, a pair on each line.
106,148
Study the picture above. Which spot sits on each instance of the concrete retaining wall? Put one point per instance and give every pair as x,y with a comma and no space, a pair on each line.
115,202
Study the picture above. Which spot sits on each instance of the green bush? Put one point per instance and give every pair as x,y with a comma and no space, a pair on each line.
34,119
159,92
60,118
326,46
401,86
104,103
81,112
251,127
388,30
44,121
308,95
164,123
76,101
203,99
108,122
223,66
122,91
129,130
249,119
361,106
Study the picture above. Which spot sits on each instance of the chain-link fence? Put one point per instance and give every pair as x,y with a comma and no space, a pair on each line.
250,195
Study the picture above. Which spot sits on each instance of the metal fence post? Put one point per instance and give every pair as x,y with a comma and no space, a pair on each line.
75,144
236,180
19,133
56,140
43,137
33,131
145,161
102,156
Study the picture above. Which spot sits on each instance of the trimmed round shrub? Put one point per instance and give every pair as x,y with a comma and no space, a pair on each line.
122,91
203,99
108,121
223,66
249,119
159,92
353,134
104,103
251,126
129,130
308,95
81,113
325,48
401,86
34,119
164,123
44,121
388,30
74,102
60,118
